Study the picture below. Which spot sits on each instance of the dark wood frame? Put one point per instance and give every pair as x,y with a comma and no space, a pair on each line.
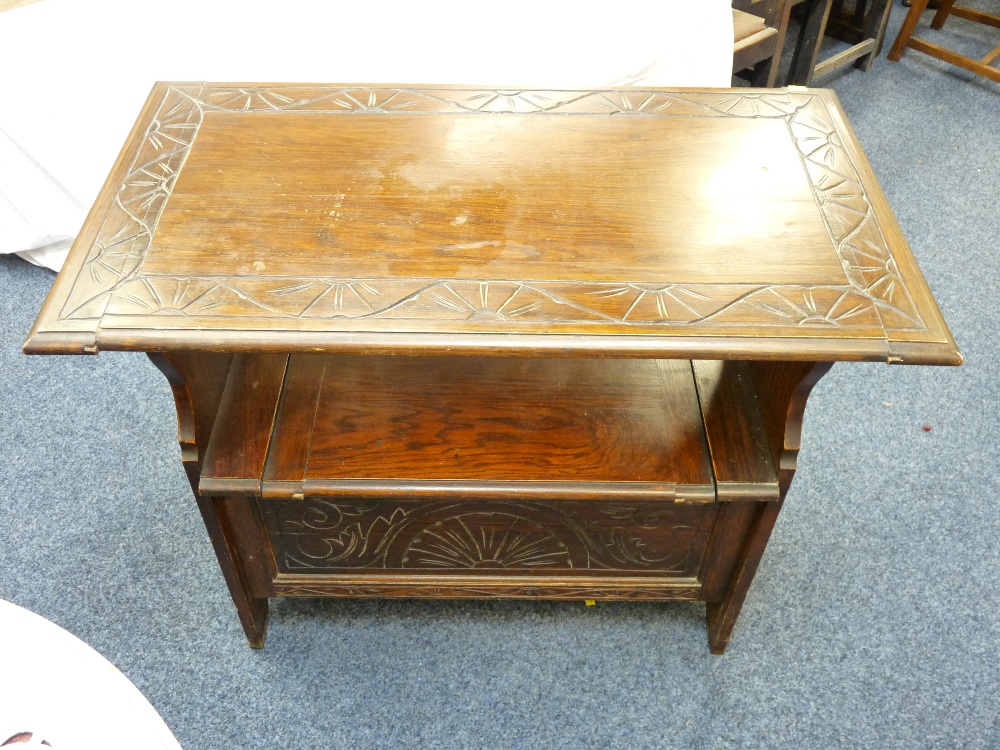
761,52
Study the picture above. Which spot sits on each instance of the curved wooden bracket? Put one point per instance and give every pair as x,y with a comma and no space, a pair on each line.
185,416
782,391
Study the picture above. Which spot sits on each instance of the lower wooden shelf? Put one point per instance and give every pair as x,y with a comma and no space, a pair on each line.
487,477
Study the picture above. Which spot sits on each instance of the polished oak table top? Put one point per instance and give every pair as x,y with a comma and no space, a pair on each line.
738,224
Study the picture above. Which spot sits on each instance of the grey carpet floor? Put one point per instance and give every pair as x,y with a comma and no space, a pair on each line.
873,622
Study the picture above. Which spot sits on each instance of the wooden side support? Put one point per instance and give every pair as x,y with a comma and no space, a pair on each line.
199,385
777,392
751,411
722,615
197,382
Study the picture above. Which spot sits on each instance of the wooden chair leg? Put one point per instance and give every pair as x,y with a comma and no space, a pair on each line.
875,25
809,42
906,31
861,11
944,10
782,26
765,72
837,8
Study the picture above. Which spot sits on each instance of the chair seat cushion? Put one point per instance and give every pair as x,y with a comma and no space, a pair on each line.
746,25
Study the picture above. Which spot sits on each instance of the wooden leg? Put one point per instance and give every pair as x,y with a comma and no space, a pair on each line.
782,25
942,14
861,11
906,31
782,389
722,615
765,72
252,610
809,42
876,23
198,381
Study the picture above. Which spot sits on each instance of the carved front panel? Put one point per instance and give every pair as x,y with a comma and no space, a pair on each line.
324,535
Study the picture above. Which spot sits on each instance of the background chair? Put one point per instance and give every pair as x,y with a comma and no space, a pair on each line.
756,40
905,38
862,26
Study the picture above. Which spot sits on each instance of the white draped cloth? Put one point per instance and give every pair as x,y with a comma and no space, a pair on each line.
57,692
75,74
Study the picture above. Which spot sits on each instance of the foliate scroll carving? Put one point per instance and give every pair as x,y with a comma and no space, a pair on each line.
873,295
321,534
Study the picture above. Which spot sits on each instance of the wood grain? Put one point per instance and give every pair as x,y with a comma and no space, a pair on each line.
649,588
288,451
741,459
782,389
239,443
328,218
462,197
425,418
721,616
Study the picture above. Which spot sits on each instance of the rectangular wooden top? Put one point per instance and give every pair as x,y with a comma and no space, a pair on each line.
696,223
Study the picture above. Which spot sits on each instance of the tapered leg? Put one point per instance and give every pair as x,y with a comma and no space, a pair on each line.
944,9
906,30
781,390
809,42
252,610
722,615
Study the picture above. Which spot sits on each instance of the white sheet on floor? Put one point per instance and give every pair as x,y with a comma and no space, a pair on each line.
60,691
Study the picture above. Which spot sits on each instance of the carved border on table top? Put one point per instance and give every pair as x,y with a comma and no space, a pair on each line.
874,295
124,237
484,301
